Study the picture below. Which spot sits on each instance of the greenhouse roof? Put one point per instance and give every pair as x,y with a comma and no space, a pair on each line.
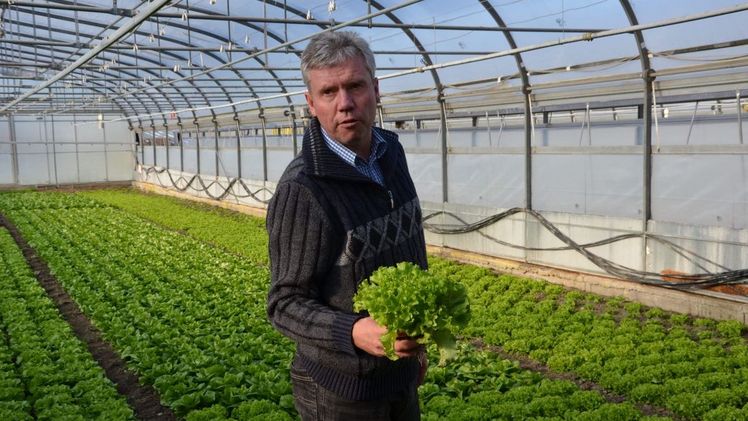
189,59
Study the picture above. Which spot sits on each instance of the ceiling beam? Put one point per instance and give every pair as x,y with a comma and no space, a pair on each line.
125,29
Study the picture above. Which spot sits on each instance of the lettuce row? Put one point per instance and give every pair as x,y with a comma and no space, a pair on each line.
188,317
695,367
44,369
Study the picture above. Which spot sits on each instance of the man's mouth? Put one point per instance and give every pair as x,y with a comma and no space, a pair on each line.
348,123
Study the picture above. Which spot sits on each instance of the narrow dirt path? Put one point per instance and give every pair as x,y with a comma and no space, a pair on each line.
144,400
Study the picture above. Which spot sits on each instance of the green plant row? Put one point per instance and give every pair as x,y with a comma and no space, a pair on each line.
482,386
185,216
26,200
44,369
610,341
697,368
238,233
188,317
448,387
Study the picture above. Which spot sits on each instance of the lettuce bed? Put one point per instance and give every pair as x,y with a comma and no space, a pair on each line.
45,371
190,318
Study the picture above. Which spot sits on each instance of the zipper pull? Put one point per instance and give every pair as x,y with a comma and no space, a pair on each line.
392,199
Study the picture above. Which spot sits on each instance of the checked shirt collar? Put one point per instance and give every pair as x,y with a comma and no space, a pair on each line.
369,168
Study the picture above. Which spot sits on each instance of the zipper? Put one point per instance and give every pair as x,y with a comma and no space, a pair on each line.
392,199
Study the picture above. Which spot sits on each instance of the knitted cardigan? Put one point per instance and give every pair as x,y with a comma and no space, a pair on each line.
330,227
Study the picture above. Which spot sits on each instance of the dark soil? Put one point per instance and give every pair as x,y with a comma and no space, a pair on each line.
144,400
528,363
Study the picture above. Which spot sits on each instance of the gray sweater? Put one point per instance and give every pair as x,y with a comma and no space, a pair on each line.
330,227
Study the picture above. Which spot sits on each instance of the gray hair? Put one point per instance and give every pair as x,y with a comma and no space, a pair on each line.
332,48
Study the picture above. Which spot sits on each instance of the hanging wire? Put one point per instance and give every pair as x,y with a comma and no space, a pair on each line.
681,281
197,183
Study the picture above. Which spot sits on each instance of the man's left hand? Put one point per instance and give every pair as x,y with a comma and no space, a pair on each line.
406,346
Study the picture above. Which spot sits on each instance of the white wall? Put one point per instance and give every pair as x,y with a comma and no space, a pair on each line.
588,183
65,149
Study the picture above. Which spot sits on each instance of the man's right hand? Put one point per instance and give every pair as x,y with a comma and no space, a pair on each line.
367,336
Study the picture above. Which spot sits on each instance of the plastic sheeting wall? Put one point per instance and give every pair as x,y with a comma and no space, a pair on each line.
700,172
588,181
67,149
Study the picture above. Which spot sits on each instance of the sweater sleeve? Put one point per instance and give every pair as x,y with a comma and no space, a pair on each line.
300,254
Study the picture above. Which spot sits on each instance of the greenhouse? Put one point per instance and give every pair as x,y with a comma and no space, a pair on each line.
581,168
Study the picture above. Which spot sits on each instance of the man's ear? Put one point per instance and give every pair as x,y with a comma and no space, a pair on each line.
310,102
376,89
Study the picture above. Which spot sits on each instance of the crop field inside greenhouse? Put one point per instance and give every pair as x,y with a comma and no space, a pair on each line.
333,210
178,290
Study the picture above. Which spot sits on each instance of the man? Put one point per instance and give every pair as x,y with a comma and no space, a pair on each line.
344,207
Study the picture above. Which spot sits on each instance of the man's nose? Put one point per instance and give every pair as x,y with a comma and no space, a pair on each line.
345,100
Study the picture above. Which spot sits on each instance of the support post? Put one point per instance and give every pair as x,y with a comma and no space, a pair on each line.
238,148
197,145
166,145
153,142
740,117
106,155
647,165
215,135
46,148
54,148
264,149
142,145
444,151
528,149
180,139
77,152
13,147
294,134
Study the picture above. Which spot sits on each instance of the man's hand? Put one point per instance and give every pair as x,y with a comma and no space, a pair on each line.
367,336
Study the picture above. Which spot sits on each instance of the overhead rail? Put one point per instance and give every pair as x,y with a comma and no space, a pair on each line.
313,22
133,23
585,37
157,80
257,54
421,69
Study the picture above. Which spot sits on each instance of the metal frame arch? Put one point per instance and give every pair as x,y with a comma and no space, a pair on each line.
526,92
426,59
392,17
241,77
98,89
437,82
43,53
417,43
648,80
160,63
439,96
256,28
93,52
68,32
271,34
128,54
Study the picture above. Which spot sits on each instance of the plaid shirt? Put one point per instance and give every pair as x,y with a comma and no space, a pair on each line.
370,167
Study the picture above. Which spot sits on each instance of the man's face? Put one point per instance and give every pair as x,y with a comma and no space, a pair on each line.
344,99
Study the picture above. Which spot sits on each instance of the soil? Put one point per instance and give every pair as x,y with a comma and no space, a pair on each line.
143,399
528,363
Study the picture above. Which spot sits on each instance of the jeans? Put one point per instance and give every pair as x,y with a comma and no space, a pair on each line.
315,403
